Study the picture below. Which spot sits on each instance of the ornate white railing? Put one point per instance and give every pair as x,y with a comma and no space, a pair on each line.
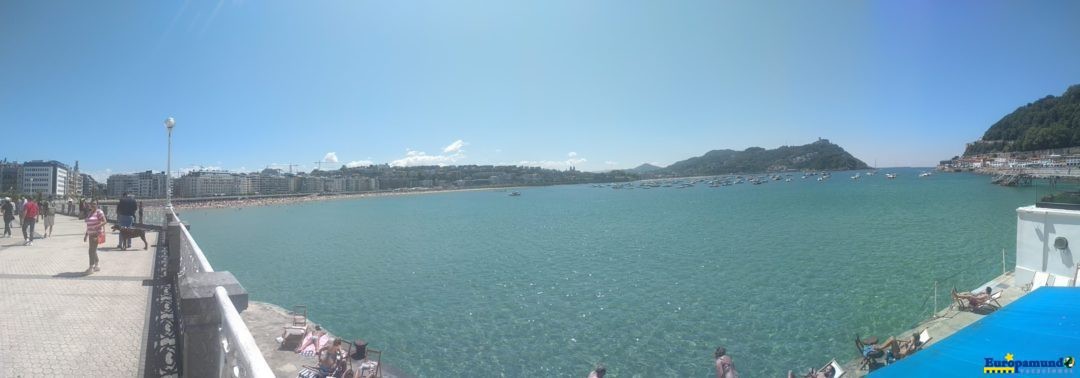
214,340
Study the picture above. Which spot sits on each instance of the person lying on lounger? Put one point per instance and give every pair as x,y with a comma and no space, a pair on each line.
896,349
976,300
825,372
311,337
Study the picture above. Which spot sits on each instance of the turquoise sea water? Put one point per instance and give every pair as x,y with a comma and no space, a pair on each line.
648,282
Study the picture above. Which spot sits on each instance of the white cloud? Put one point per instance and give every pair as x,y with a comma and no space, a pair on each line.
609,162
417,158
455,147
571,154
451,154
359,163
331,157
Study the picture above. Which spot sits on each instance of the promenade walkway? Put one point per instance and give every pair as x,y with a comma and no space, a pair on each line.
57,321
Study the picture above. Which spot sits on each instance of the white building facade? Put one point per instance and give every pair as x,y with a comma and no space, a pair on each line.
48,178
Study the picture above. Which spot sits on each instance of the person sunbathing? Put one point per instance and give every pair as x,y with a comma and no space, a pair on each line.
896,349
330,356
975,300
314,340
826,372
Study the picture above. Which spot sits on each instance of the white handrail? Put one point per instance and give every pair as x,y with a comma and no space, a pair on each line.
249,355
203,262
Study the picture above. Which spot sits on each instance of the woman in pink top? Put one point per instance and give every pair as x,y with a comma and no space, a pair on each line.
95,223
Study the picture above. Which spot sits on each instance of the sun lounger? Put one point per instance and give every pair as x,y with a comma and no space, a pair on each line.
970,302
1061,281
293,332
839,371
924,336
1040,280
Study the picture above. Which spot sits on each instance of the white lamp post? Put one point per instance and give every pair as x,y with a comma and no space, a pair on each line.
169,123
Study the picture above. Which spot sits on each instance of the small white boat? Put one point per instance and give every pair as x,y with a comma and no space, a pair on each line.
925,174
515,194
890,175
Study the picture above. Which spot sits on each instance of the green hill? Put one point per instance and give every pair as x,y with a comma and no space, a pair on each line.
1050,122
820,155
644,168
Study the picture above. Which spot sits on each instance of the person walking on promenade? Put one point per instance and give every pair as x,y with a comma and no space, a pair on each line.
9,215
140,213
30,214
125,214
48,215
95,223
19,210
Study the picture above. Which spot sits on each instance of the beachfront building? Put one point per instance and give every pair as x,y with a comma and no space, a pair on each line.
74,182
9,176
48,178
312,184
361,184
141,185
89,188
334,185
271,181
208,184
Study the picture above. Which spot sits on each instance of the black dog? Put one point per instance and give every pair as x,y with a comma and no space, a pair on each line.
131,233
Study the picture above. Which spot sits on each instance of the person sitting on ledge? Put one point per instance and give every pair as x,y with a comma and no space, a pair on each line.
330,356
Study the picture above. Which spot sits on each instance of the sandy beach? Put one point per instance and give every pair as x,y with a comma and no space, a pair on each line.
242,202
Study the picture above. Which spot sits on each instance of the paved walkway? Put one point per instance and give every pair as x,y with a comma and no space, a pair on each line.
57,321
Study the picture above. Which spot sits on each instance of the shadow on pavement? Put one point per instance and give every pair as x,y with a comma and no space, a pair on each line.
71,274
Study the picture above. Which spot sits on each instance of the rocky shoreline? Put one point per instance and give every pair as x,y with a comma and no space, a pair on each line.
265,322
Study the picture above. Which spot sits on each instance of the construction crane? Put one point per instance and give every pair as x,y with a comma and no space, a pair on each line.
290,167
318,165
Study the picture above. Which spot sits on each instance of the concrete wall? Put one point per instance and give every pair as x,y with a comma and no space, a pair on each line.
1036,229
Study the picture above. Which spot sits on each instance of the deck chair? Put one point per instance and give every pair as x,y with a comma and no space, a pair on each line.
1040,280
965,303
370,366
924,337
837,370
1061,281
294,331
994,298
869,359
342,367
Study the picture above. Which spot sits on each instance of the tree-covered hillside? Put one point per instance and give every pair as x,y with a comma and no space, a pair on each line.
820,155
1051,122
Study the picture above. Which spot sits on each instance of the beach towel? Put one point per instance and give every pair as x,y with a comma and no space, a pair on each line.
312,349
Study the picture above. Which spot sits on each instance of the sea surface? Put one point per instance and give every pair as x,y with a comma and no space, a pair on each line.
647,282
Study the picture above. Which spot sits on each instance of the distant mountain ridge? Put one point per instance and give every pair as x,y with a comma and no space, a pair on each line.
820,155
1050,122
644,168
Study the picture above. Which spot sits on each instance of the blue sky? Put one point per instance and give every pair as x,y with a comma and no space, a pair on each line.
598,84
